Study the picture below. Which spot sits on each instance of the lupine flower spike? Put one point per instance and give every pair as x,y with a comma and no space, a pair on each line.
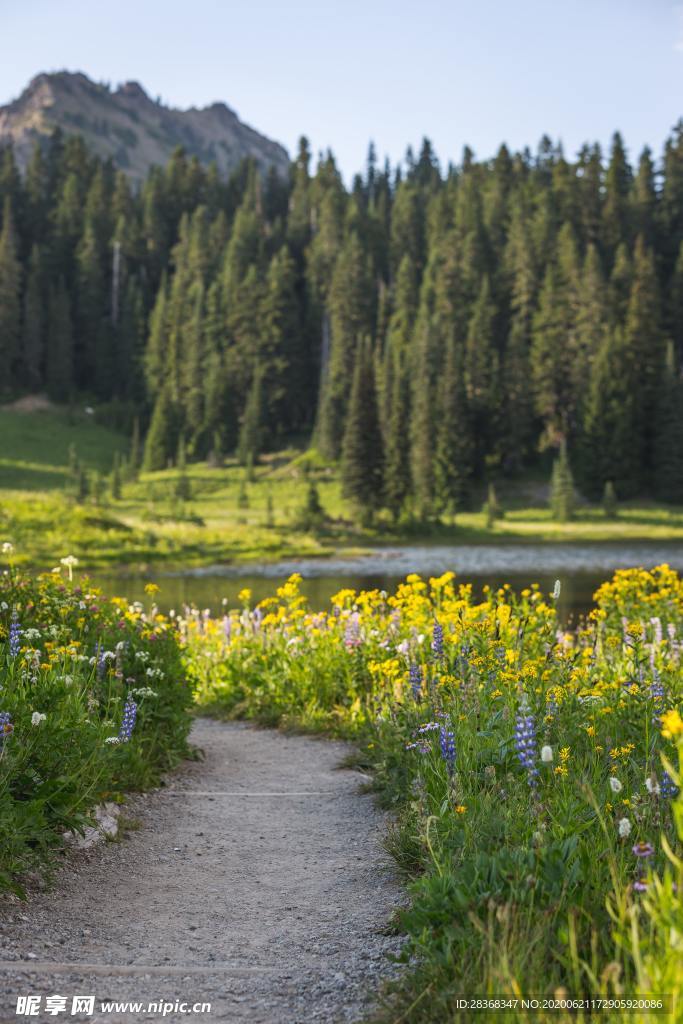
447,741
130,711
525,742
437,640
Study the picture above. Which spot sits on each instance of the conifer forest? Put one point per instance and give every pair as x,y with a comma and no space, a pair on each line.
428,326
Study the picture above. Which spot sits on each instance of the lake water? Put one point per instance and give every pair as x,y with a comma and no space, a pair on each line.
580,568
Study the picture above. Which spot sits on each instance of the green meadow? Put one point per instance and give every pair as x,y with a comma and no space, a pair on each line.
230,513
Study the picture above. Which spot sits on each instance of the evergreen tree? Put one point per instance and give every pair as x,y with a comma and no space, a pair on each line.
253,430
668,441
645,346
312,514
161,440
362,455
492,509
609,447
59,363
609,501
397,479
33,333
455,449
562,498
10,295
135,453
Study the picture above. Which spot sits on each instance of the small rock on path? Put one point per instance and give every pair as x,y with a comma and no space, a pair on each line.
257,883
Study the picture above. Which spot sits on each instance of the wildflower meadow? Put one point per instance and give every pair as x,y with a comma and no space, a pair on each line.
533,772
93,703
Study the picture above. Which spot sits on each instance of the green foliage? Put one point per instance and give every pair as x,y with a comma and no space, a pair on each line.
562,496
609,501
57,759
543,289
312,515
362,454
492,509
522,841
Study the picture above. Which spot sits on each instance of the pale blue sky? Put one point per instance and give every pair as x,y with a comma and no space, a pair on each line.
459,71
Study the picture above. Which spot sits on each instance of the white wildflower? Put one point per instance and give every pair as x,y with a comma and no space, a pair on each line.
652,786
624,828
556,590
7,548
112,739
615,785
546,754
37,718
70,562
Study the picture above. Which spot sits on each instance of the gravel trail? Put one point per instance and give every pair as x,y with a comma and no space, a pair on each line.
255,882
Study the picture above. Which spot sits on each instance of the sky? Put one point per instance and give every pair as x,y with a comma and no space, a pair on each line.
475,72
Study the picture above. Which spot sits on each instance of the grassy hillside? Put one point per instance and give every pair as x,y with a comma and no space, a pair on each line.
228,516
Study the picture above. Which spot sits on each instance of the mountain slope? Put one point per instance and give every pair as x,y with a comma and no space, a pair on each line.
128,126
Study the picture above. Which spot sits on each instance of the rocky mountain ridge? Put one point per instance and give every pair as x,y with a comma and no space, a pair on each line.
125,124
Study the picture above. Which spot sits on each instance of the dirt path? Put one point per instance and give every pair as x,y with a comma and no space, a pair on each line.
256,882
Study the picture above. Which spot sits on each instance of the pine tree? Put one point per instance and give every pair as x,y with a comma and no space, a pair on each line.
562,498
362,455
455,449
609,501
481,372
645,345
609,448
616,212
492,509
135,454
33,333
253,429
397,479
59,363
312,514
668,441
350,305
162,436
10,294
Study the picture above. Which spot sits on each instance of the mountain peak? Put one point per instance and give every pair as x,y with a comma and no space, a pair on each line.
129,127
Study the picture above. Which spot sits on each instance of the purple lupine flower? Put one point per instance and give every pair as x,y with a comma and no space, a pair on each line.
657,692
437,640
352,632
227,627
415,680
130,711
525,742
667,789
14,635
6,727
447,741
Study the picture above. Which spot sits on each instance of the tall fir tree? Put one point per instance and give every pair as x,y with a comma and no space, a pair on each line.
668,440
10,296
362,455
59,363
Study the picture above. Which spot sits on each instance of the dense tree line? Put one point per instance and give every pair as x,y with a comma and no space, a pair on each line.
427,328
